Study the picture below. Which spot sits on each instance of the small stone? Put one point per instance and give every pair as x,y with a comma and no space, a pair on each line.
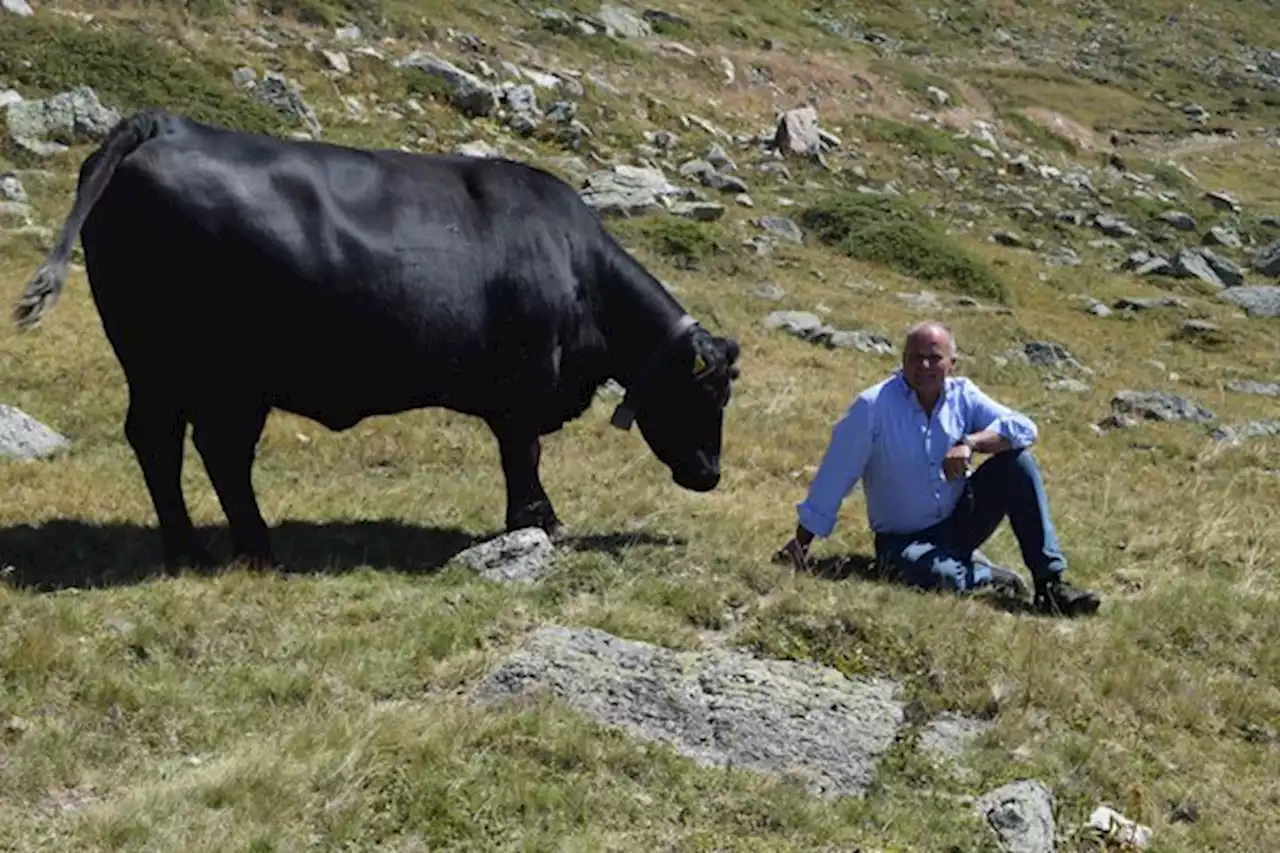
471,95
770,291
1256,300
11,189
1068,385
782,227
337,61
1250,386
1224,237
520,556
1160,406
1179,220
1199,327
1267,260
478,148
1114,826
797,131
702,211
1140,303
1021,816
24,437
1223,201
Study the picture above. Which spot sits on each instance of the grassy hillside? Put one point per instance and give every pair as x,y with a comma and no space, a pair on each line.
327,709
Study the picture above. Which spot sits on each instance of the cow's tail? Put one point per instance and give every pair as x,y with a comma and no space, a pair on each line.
45,287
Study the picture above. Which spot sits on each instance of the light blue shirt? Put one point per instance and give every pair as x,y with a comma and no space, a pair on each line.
887,440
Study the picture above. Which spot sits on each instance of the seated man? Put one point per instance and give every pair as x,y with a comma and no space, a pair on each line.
911,439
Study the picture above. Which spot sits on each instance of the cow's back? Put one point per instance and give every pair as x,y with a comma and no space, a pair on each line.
331,279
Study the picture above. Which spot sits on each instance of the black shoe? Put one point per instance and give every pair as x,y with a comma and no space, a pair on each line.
1008,582
1004,581
1059,598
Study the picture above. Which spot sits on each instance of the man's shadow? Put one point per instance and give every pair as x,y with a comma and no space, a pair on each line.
66,553
865,568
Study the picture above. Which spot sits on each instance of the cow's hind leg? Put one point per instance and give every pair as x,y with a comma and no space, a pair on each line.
527,502
226,435
155,429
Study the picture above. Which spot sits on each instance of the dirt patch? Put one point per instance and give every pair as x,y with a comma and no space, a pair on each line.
962,118
1063,126
974,107
838,87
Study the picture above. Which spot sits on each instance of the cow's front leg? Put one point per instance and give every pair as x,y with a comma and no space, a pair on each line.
527,502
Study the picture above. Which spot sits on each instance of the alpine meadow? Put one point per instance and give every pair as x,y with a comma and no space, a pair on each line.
1086,193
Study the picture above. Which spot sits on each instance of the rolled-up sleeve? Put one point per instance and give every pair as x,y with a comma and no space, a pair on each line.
985,413
841,468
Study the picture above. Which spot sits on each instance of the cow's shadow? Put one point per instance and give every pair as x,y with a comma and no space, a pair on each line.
865,568
67,553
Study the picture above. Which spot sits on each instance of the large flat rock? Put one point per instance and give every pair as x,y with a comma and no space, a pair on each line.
719,708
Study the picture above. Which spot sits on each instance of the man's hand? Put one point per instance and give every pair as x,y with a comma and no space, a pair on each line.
957,461
796,551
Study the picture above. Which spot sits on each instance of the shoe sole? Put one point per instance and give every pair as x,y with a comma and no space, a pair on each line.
1084,607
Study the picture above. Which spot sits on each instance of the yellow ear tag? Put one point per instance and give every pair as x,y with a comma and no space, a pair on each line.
699,363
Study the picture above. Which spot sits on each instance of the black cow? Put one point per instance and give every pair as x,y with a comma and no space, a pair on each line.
237,272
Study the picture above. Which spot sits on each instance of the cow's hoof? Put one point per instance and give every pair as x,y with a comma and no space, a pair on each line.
540,515
554,529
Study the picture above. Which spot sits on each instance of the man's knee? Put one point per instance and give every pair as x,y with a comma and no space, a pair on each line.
1011,463
936,570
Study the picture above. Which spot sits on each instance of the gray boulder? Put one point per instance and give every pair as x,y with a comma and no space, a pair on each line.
49,125
1261,300
467,92
630,190
1267,260
719,708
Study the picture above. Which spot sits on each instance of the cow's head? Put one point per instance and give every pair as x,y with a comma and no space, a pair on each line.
679,402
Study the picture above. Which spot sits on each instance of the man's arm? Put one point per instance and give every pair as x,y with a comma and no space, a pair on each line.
840,469
994,427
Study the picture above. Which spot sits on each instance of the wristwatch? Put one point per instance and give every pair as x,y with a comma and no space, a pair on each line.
968,442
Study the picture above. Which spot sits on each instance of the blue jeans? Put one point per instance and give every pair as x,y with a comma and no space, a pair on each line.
1008,485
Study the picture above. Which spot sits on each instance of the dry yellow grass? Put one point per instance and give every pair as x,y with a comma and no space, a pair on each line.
321,710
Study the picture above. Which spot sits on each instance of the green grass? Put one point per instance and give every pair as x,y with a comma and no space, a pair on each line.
888,231
916,138
325,709
1103,108
129,71
1037,134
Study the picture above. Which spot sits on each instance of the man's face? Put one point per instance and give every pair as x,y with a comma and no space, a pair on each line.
927,361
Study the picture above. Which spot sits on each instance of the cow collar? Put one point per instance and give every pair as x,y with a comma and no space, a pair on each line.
625,413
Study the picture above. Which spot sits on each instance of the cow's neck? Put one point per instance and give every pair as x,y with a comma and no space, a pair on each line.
638,316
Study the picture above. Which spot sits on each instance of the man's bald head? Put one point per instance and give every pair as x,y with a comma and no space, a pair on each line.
929,330
928,356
